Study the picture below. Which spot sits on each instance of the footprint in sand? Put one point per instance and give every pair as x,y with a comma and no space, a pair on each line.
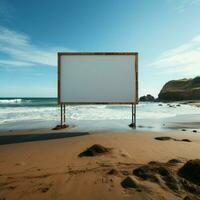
45,189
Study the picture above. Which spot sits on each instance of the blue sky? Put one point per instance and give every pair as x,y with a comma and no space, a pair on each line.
166,33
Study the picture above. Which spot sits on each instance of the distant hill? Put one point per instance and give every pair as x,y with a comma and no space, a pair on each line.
184,89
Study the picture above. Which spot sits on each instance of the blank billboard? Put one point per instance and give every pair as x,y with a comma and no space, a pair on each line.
97,78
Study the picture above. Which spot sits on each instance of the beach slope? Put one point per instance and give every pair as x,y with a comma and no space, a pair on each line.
53,167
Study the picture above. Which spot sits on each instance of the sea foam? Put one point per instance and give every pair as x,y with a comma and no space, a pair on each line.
43,110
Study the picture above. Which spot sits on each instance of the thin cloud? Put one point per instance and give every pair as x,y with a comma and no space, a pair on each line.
15,63
184,59
183,4
6,10
21,51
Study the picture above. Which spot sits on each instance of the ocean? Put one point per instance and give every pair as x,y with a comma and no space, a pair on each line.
22,113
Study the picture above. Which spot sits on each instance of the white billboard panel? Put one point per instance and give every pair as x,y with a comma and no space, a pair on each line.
98,78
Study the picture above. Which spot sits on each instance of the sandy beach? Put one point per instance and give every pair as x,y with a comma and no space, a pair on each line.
50,167
100,100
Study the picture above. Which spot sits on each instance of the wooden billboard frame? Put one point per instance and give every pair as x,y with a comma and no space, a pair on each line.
135,101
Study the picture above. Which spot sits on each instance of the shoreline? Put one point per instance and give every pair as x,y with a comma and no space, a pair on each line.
180,124
154,115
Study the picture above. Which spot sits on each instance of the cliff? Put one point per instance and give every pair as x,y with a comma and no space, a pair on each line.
184,89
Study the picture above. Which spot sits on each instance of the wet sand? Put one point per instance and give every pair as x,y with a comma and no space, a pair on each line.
45,166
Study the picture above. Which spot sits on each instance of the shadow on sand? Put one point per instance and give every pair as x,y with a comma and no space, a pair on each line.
11,139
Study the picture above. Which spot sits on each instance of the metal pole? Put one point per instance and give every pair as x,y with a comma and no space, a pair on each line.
61,115
135,115
132,113
132,123
64,114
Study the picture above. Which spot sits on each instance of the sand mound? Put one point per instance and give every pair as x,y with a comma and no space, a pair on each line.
191,198
191,171
130,182
157,172
174,161
113,171
95,150
166,138
190,187
186,140
163,174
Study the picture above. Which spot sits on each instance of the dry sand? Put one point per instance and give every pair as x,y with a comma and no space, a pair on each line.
51,168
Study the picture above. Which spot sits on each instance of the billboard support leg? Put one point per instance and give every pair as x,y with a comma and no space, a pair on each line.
61,115
62,118
64,114
133,115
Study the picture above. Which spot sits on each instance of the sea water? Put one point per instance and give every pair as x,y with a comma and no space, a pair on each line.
22,113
